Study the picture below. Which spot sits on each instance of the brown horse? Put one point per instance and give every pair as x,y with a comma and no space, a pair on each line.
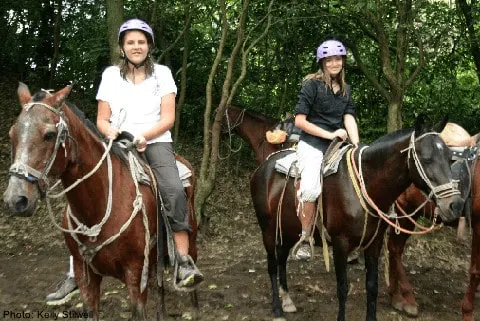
52,140
384,170
252,127
400,288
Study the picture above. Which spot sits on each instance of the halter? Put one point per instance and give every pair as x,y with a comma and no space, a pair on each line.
441,191
32,175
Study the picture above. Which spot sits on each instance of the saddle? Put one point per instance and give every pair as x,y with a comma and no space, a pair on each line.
287,164
124,143
462,145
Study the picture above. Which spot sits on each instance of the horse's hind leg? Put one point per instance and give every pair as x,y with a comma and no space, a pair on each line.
273,274
469,298
282,256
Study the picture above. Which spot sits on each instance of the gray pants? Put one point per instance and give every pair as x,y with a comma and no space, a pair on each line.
161,158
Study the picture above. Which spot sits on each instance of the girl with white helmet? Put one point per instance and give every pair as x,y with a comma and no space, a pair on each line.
138,96
323,112
145,92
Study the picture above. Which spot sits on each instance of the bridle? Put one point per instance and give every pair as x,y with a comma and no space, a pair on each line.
35,176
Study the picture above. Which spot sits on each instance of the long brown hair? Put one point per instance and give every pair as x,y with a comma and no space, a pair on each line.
323,75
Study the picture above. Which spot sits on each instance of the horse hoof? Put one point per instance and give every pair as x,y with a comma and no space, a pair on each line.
411,310
289,308
398,305
279,319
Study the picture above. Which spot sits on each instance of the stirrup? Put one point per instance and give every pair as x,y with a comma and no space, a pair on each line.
193,277
303,249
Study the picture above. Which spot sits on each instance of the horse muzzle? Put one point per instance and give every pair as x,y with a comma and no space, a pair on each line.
451,208
18,198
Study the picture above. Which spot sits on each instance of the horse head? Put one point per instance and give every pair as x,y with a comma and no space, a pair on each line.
39,153
429,161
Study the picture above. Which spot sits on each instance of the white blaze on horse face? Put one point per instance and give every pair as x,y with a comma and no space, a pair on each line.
439,145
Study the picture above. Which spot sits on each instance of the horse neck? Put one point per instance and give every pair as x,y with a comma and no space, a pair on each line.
385,171
87,151
253,130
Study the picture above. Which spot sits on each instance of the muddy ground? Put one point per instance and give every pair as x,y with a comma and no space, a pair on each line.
33,258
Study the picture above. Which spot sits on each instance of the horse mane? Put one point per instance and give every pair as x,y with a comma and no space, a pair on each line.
379,145
116,150
261,118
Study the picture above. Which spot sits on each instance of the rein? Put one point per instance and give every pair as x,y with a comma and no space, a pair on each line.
230,128
441,191
88,253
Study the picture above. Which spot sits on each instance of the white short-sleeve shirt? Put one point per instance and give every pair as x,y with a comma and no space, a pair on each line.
136,107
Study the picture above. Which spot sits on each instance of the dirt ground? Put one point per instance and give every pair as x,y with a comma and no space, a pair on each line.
33,258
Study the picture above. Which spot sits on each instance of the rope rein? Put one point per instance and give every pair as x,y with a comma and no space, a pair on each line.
441,191
87,252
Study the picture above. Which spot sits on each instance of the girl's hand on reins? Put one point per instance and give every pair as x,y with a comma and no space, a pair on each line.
113,133
141,143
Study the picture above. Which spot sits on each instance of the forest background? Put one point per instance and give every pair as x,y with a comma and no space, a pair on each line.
405,57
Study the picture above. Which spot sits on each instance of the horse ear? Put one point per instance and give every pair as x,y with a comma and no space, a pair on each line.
23,94
420,124
59,97
438,127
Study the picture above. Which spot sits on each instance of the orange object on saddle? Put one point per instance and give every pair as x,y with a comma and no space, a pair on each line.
456,135
276,136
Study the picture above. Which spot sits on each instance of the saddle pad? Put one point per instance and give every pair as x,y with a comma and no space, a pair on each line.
287,164
184,172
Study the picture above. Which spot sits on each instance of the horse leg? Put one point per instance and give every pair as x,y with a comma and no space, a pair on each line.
273,273
400,288
371,282
138,299
287,303
469,298
89,284
340,261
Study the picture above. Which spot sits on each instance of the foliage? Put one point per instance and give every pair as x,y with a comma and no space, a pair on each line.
447,84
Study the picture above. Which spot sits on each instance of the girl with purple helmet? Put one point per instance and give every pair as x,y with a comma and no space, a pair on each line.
323,112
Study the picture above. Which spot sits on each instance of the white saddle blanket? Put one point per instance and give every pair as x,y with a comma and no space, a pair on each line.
184,172
288,165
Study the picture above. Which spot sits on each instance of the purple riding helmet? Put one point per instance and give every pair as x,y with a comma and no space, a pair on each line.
330,48
136,24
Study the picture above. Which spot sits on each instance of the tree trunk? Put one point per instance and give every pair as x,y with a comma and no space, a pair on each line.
56,44
183,77
470,22
394,120
114,20
211,140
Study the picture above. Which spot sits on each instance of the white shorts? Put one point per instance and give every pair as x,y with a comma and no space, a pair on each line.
309,165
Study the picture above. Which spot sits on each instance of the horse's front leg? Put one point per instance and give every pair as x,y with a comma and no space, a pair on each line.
89,284
340,253
400,288
138,299
371,283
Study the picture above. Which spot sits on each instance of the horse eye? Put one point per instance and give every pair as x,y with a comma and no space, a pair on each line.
50,136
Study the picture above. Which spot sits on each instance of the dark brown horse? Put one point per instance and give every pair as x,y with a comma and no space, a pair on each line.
384,169
52,140
252,127
400,288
